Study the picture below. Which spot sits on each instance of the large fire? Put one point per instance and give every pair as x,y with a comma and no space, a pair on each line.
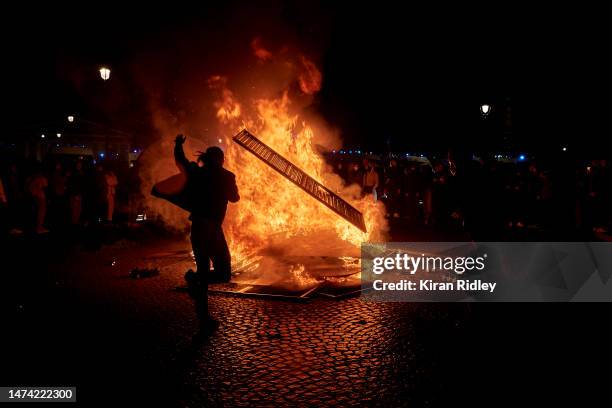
274,217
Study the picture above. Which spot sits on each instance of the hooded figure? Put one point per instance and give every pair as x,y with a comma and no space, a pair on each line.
208,189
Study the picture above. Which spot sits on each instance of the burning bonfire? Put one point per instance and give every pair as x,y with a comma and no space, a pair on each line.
277,233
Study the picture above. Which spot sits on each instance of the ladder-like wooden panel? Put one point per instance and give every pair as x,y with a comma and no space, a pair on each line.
273,159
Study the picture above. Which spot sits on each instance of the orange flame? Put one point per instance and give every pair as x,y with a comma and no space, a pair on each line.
227,108
273,217
260,52
310,78
272,210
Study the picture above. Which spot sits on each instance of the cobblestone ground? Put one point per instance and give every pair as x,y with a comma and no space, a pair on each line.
76,318
336,353
136,336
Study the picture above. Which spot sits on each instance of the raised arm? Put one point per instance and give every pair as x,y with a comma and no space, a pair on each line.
179,154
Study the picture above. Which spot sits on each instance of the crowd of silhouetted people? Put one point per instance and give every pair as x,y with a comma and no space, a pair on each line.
56,194
489,198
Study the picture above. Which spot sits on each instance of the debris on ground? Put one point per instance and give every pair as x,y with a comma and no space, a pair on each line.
139,273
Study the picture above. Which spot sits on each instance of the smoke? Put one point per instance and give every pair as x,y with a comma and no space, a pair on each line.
206,111
209,86
190,77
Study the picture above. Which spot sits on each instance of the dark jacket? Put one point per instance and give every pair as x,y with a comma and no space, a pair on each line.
208,189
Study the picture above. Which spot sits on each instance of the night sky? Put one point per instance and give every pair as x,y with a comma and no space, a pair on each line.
405,76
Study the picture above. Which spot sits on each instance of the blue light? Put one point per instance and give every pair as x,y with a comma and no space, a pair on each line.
102,155
350,152
521,157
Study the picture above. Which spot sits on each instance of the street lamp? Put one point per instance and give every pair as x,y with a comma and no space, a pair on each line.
70,118
104,73
485,109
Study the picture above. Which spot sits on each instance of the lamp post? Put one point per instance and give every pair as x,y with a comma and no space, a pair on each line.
105,73
485,143
485,109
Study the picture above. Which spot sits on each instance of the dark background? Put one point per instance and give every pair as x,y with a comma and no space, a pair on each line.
410,76
394,76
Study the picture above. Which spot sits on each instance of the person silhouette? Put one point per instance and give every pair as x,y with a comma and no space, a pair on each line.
208,189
